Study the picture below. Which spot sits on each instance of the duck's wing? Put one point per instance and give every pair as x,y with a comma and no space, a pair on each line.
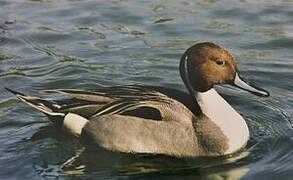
81,107
97,96
105,95
108,94
129,101
133,100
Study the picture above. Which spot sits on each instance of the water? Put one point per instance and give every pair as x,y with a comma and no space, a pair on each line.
84,44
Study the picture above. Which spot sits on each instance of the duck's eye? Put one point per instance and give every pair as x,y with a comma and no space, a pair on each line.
220,62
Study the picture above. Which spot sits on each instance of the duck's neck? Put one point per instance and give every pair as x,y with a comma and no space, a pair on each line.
225,117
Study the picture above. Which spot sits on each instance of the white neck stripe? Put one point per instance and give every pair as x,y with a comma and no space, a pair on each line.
186,73
225,117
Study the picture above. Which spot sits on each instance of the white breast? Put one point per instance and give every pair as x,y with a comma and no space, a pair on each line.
225,117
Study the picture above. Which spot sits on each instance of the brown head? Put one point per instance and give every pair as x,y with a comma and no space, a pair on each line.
206,64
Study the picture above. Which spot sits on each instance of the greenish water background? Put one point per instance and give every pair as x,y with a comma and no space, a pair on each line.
85,44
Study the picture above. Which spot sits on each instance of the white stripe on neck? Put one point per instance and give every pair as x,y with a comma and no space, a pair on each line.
186,73
74,123
223,115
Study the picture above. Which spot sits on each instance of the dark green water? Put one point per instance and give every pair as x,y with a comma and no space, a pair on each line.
85,44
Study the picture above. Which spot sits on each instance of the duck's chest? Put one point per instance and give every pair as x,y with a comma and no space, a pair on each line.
229,122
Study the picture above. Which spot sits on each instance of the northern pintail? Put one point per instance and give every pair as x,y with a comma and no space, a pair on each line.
159,120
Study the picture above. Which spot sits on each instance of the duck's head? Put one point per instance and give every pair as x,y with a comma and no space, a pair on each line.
206,64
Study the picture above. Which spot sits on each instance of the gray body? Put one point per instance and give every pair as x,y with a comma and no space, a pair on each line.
137,119
138,135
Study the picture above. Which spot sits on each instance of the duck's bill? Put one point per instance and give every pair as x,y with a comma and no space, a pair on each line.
238,82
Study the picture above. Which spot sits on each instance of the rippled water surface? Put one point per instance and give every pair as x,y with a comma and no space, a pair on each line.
85,44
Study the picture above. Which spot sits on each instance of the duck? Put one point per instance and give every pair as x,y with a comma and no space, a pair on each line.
195,122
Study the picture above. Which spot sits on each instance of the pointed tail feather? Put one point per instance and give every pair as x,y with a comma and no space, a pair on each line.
47,107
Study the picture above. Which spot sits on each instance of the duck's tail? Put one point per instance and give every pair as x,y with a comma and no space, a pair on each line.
47,107
74,123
